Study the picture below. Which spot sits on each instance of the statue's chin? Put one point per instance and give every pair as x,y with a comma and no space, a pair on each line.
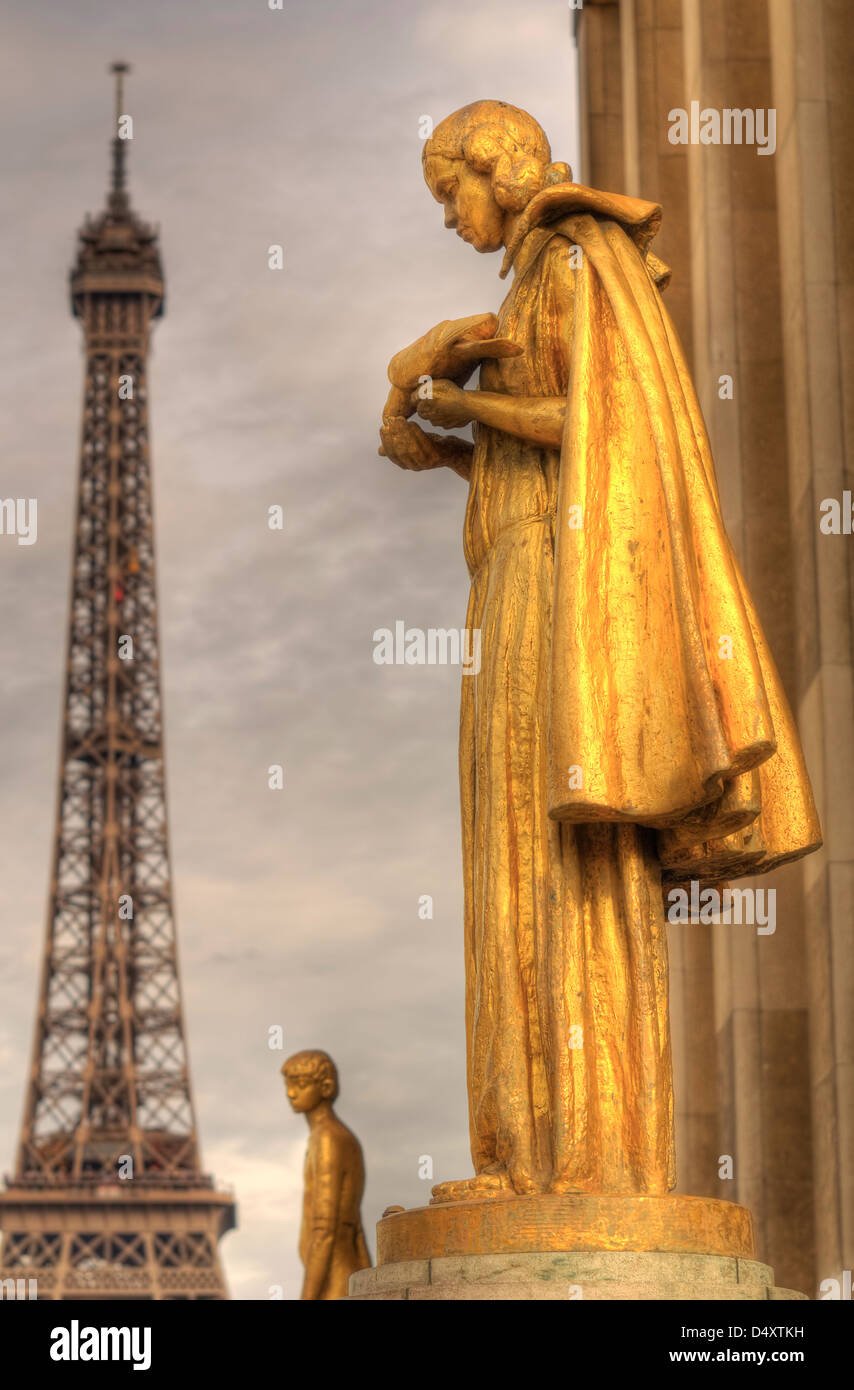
485,247
483,244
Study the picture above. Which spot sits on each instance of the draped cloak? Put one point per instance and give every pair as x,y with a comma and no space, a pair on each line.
627,730
663,691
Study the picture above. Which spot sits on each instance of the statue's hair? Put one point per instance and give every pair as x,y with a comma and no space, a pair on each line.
497,139
317,1065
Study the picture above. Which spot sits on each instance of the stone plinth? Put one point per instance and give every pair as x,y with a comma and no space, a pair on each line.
575,1246
556,1276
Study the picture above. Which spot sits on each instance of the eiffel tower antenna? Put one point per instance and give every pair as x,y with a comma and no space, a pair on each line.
117,190
109,1199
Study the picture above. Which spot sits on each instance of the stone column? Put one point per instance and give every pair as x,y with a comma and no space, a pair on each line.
759,981
600,81
812,58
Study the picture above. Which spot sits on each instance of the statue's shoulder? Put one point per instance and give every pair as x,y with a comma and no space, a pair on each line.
559,261
564,203
335,1136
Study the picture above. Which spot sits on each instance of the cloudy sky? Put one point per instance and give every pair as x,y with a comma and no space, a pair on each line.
299,907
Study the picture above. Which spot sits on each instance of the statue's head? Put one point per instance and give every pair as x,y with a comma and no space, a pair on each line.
310,1077
484,164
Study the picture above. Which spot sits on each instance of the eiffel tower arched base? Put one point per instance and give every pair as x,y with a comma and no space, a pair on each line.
110,1243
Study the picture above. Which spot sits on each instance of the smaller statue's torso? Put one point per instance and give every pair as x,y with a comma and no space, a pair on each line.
334,1180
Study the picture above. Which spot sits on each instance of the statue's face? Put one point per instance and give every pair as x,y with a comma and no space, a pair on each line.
470,207
304,1092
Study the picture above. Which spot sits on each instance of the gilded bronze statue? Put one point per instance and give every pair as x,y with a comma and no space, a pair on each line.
332,1241
627,732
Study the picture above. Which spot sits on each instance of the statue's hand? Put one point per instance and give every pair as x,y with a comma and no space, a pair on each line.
409,446
464,357
446,405
450,351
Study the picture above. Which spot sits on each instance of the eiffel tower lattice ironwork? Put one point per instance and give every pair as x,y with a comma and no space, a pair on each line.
108,1199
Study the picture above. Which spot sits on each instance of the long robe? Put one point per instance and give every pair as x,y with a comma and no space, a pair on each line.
607,749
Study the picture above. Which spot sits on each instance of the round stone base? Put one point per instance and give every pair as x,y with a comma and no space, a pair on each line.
561,1222
560,1275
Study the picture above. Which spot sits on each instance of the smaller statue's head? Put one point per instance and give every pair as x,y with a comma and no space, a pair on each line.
484,164
310,1077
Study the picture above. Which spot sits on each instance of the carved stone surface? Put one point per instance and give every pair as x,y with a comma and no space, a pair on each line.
560,1276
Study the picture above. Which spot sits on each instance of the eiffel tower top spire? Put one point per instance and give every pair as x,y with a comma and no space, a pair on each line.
118,199
117,251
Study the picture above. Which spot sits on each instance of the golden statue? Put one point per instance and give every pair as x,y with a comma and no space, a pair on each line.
332,1242
627,732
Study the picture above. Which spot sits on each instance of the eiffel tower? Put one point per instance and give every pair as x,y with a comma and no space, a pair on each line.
108,1199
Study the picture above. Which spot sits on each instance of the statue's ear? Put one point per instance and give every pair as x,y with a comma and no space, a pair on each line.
326,1087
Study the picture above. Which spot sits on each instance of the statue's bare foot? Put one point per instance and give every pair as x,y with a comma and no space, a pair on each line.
494,1184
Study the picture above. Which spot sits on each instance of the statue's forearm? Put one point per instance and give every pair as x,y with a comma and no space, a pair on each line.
317,1264
538,419
458,452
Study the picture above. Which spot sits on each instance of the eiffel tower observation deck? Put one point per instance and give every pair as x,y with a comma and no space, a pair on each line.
108,1198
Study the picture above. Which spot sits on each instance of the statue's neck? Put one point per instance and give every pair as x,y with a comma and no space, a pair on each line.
511,222
320,1114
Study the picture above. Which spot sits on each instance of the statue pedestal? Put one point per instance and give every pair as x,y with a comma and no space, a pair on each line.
569,1247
